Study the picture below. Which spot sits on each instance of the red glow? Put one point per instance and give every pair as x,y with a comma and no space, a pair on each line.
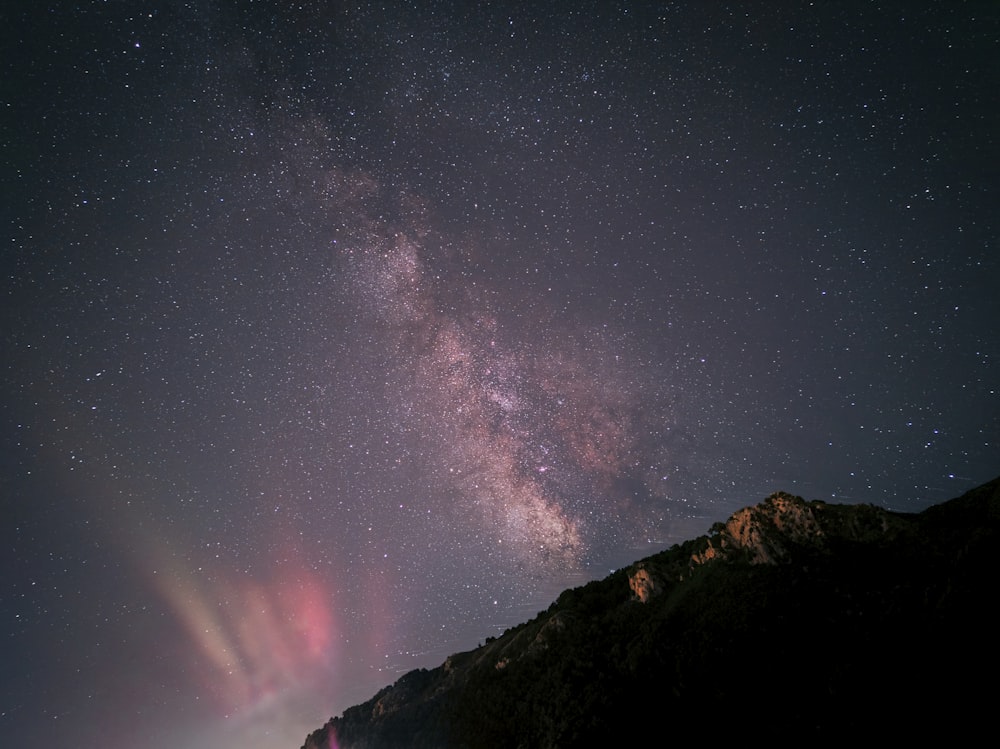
255,639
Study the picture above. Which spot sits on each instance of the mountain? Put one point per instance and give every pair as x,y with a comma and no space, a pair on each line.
794,621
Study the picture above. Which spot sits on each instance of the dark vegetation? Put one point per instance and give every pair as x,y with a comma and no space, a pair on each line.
865,625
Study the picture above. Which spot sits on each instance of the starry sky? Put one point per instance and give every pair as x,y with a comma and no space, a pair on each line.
338,336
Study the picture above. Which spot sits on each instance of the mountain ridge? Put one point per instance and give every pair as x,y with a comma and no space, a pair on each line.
832,615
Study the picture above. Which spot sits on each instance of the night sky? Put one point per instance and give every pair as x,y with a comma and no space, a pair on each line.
339,337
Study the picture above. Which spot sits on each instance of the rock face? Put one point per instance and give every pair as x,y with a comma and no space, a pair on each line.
642,583
805,620
766,530
767,533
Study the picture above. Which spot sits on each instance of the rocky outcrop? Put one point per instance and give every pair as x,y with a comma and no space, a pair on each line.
763,533
768,533
643,583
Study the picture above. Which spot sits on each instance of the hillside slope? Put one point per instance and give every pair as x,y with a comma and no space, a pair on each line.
792,621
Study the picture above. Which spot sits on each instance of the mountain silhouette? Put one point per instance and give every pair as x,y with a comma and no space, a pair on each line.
792,622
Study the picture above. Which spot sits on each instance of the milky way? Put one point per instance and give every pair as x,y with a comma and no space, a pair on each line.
339,338
527,421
